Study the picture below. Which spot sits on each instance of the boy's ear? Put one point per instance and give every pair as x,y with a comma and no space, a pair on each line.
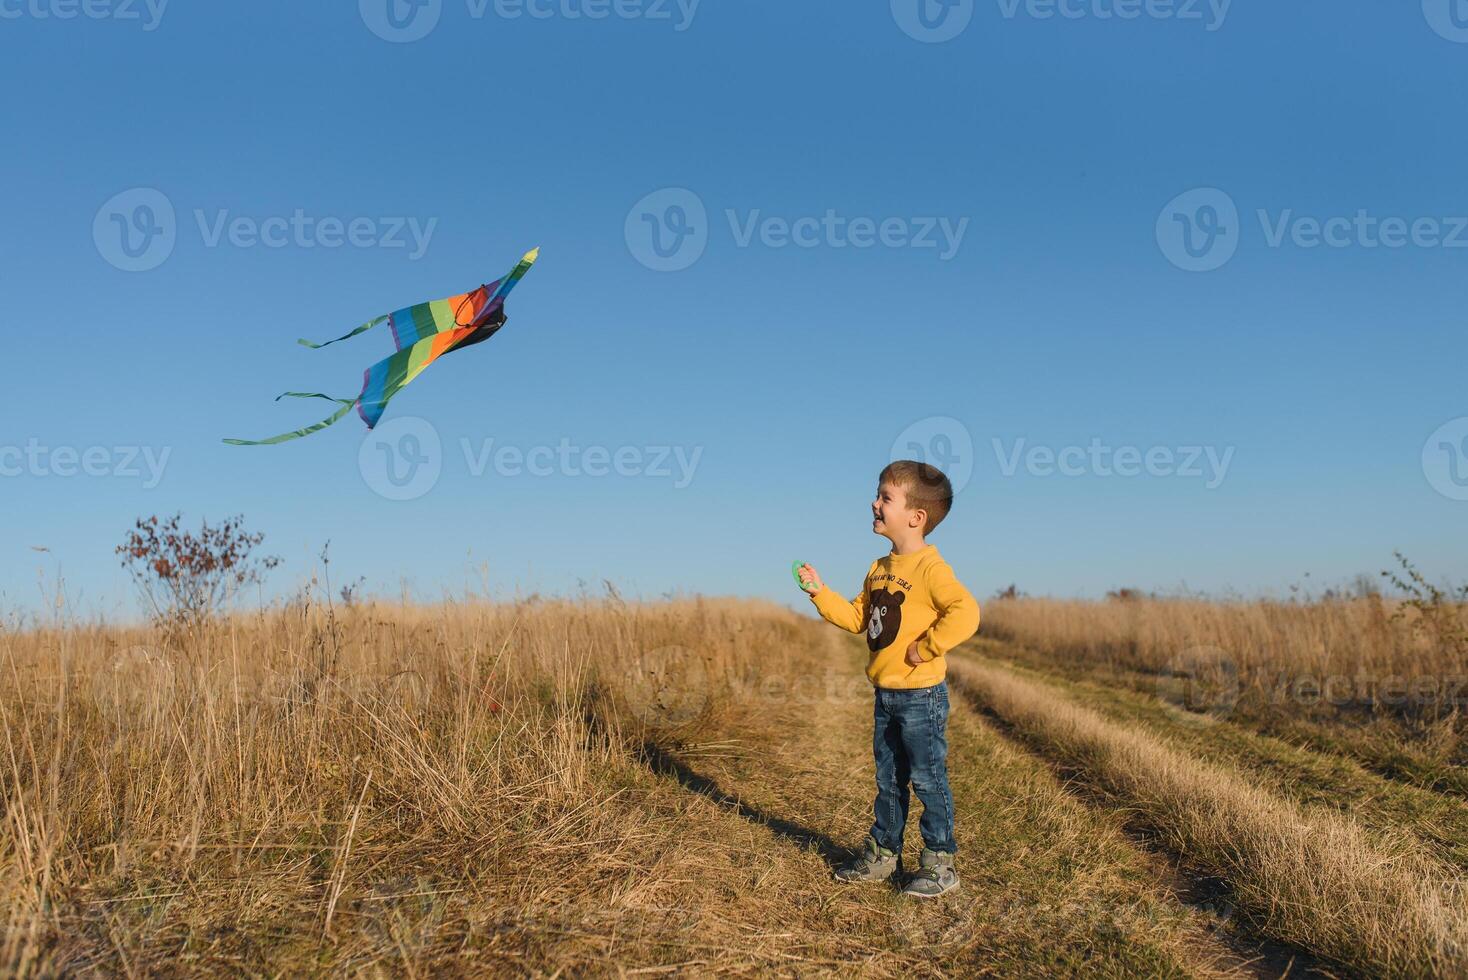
918,518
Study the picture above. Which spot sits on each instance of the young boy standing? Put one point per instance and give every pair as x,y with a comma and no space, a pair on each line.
913,611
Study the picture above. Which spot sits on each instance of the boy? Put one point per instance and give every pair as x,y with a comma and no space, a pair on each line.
913,611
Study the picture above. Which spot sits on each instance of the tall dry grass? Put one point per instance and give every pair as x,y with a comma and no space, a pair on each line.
1342,660
310,790
414,790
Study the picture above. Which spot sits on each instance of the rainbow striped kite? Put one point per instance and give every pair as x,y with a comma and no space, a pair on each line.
423,333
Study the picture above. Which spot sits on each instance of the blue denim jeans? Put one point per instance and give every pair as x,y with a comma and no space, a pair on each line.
910,742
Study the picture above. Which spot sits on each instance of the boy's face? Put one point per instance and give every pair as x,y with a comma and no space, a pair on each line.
890,512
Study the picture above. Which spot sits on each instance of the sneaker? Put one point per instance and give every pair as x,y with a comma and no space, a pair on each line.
874,863
934,878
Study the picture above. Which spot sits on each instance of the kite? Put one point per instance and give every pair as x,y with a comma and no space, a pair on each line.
423,333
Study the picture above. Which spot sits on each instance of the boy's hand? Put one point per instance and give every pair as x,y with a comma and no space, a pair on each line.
913,660
809,580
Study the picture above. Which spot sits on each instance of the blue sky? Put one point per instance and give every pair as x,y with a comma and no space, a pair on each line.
1065,238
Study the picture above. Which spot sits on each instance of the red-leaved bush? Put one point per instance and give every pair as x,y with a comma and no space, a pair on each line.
186,576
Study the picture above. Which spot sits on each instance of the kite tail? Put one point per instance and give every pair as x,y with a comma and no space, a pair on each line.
346,336
345,403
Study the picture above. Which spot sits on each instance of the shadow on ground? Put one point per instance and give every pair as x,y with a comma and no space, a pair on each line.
664,763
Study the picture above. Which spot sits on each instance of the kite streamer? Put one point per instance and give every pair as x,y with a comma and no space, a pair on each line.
422,333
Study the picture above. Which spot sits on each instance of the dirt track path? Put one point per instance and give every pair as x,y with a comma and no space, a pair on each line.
1049,884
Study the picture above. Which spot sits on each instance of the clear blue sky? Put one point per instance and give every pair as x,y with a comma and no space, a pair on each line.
1062,316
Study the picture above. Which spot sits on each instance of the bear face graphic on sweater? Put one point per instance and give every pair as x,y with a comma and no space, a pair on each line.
884,618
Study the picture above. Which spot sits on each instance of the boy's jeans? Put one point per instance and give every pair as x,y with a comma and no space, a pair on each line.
910,741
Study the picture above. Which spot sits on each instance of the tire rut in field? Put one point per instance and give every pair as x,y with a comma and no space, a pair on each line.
1305,880
1324,779
1200,906
1246,951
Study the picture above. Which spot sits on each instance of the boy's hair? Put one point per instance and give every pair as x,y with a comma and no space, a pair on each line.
926,487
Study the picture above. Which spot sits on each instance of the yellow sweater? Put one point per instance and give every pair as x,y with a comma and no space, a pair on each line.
906,598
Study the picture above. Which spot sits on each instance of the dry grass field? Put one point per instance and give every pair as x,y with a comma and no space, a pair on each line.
602,787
